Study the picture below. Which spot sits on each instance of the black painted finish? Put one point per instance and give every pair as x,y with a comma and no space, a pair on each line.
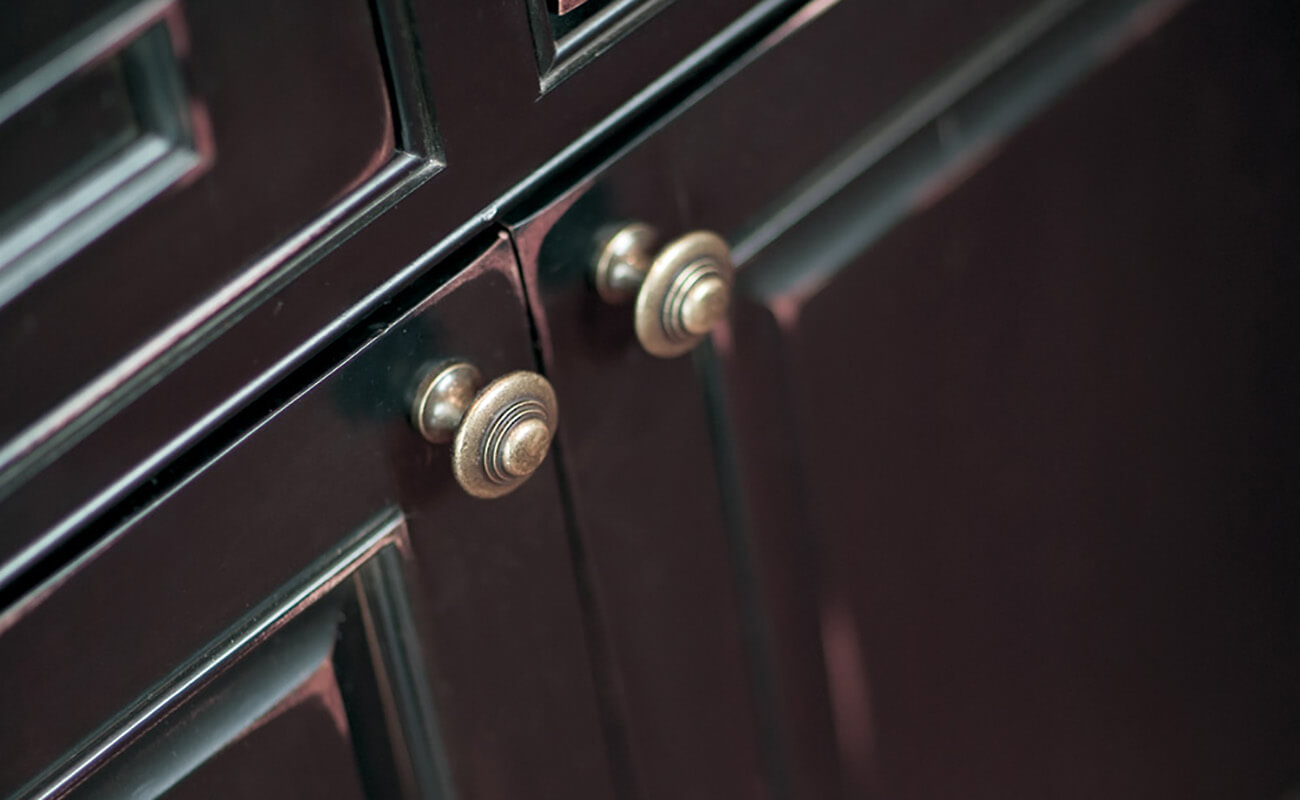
637,462
38,28
289,112
474,67
341,274
982,492
493,590
275,721
294,753
1041,436
669,572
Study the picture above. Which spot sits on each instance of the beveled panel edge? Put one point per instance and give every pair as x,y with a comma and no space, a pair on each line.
357,556
408,85
418,157
173,144
560,57
913,153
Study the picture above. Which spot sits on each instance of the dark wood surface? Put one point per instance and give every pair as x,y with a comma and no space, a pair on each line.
1041,437
291,112
274,722
258,337
672,576
295,753
638,467
475,69
494,594
982,491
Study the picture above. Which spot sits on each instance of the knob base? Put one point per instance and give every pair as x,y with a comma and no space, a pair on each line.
623,262
443,397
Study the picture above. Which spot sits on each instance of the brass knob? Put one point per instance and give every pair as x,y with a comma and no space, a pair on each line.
681,292
499,433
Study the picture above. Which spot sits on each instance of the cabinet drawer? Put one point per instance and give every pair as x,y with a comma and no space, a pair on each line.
257,570
165,148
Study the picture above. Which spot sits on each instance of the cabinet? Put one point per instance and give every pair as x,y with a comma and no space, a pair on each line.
978,486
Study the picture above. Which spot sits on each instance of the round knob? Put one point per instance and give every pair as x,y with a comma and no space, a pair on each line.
681,293
499,433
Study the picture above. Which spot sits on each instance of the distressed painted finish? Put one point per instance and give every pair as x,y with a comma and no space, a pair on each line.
275,147
1038,432
492,591
981,493
717,667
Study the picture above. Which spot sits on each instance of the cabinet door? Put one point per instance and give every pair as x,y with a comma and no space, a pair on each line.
313,607
1024,405
980,491
691,651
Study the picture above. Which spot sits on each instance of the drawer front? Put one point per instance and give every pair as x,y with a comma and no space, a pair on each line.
265,604
164,149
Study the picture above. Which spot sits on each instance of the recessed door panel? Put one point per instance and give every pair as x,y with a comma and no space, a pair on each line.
495,611
318,693
710,669
1022,400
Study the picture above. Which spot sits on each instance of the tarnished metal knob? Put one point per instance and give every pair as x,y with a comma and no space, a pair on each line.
499,433
681,292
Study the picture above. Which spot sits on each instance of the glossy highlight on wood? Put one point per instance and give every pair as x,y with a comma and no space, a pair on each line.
970,476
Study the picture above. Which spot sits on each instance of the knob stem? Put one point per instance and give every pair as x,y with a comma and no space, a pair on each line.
443,397
623,263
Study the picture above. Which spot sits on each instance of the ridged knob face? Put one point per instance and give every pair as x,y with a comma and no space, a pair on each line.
686,292
505,435
681,293
499,434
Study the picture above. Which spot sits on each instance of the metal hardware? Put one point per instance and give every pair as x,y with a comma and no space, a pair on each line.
499,433
681,293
